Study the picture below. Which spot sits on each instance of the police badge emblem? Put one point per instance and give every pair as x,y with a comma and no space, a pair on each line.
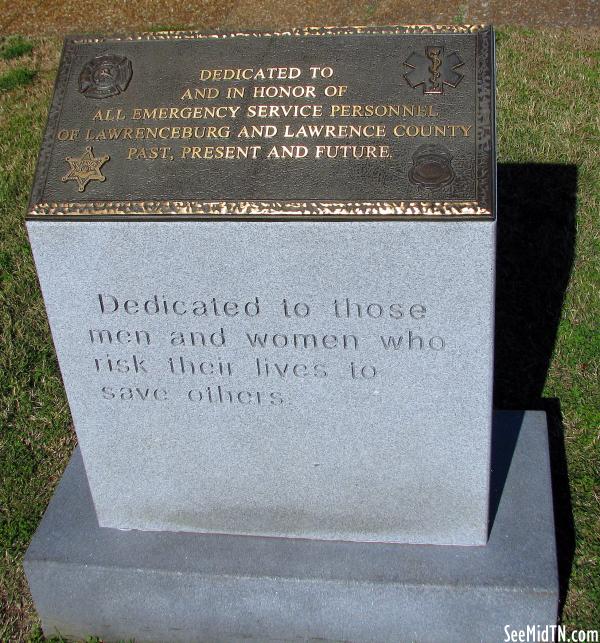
105,76
431,166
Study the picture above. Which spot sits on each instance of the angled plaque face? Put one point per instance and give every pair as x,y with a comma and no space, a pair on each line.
390,122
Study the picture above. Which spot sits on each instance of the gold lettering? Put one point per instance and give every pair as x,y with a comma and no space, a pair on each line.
381,111
185,113
334,131
228,152
284,111
257,131
425,131
352,151
284,91
200,93
249,73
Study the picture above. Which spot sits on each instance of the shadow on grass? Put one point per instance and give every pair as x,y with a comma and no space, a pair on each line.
536,247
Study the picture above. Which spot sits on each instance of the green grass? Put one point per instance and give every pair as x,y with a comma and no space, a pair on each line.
15,47
35,435
548,91
461,15
17,77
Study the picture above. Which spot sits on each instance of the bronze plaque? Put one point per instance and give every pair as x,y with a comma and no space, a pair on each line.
326,123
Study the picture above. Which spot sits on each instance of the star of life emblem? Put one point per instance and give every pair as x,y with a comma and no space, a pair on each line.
433,70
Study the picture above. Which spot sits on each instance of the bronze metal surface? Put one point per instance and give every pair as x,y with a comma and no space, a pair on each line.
396,122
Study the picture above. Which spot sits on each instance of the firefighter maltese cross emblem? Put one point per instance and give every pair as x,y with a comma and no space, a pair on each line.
85,168
433,70
105,76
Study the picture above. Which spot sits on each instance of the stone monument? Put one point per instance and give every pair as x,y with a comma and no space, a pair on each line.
268,264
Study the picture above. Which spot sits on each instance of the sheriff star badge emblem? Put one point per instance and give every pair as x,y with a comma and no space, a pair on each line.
85,168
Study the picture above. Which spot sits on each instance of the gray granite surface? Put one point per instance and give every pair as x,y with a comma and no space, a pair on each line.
204,587
318,448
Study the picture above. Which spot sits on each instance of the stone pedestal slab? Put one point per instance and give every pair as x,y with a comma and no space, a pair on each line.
153,586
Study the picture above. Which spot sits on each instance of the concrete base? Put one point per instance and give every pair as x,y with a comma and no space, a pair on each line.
161,586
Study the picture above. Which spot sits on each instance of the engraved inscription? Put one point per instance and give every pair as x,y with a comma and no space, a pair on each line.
214,350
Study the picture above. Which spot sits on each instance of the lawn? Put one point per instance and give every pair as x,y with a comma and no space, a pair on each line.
548,345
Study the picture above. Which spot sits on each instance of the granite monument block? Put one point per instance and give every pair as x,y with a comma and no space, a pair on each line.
268,265
276,248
